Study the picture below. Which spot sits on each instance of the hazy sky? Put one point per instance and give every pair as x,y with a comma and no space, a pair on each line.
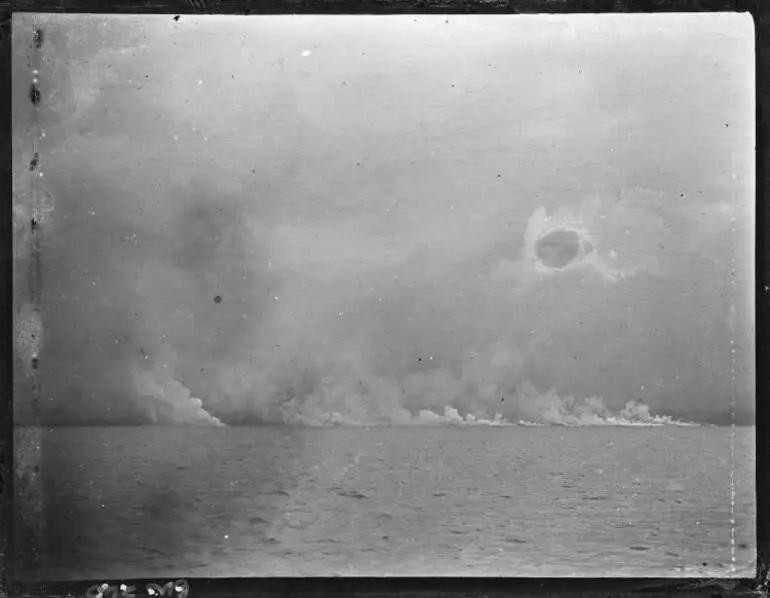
293,216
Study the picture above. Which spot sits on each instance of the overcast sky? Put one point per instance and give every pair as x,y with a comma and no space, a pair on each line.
342,214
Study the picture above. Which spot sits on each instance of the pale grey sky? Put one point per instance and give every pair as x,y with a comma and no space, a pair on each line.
364,194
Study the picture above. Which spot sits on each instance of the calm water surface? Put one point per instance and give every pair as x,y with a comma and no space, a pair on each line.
265,501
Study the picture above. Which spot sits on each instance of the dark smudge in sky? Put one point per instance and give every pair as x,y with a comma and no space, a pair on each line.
558,249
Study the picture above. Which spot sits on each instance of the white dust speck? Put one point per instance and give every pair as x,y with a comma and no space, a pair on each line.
276,297
306,53
176,137
200,81
226,536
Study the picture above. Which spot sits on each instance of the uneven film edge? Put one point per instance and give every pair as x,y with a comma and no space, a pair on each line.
28,338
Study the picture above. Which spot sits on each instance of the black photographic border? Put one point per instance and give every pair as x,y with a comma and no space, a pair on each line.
418,587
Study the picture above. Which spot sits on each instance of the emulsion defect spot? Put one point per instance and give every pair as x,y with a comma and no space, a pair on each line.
558,249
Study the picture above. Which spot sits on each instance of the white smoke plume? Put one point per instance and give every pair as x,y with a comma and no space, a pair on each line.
168,401
552,409
487,389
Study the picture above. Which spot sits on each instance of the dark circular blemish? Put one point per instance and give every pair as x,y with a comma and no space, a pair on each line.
419,359
34,161
34,363
34,94
557,249
217,299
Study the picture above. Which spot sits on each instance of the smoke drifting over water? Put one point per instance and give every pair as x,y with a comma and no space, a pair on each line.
333,268
340,403
167,400
551,409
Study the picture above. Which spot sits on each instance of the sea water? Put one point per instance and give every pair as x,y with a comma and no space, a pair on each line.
427,501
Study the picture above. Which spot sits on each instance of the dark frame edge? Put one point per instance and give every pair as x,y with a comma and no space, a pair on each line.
7,327
438,587
760,14
428,587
